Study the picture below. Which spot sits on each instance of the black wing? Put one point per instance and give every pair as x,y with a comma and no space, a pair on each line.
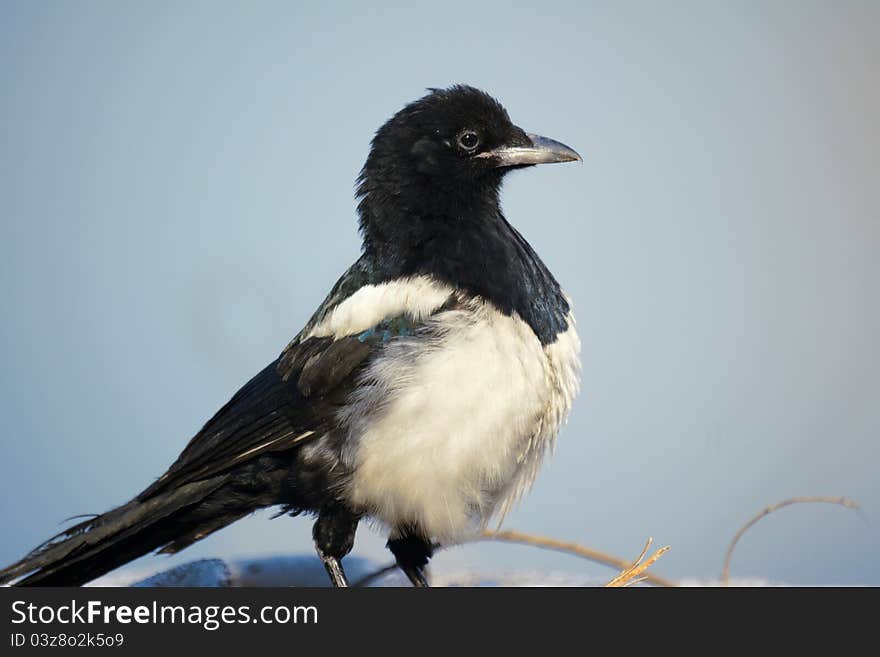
292,399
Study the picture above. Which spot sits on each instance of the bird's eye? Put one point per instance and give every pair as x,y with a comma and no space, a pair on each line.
468,140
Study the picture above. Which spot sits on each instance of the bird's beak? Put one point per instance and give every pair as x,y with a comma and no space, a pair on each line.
541,150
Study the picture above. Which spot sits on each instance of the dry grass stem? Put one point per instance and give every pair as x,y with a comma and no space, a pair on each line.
635,573
840,501
580,551
631,572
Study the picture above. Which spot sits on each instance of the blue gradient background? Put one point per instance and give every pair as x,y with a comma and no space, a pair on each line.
176,198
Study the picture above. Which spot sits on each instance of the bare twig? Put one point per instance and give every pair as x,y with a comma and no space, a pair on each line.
547,543
840,501
369,578
636,572
577,550
631,572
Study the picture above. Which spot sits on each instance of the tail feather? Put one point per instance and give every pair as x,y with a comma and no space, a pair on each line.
96,546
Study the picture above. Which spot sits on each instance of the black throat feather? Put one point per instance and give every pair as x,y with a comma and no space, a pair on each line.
458,235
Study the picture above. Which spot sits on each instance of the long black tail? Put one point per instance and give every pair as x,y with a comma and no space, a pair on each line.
239,462
167,522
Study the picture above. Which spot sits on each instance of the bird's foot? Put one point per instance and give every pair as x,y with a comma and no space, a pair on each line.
334,569
416,575
412,554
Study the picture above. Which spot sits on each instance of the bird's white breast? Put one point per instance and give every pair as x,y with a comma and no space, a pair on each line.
449,425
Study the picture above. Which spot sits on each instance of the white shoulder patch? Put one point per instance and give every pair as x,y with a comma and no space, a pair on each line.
416,296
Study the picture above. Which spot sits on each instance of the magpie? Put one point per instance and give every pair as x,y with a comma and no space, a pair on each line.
422,394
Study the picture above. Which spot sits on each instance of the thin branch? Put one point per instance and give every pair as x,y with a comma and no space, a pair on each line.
369,578
840,501
511,536
547,543
636,572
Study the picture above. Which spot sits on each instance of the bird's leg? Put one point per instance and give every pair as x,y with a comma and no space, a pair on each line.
412,553
334,537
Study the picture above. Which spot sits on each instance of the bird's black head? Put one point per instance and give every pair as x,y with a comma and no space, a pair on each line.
443,156
429,204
